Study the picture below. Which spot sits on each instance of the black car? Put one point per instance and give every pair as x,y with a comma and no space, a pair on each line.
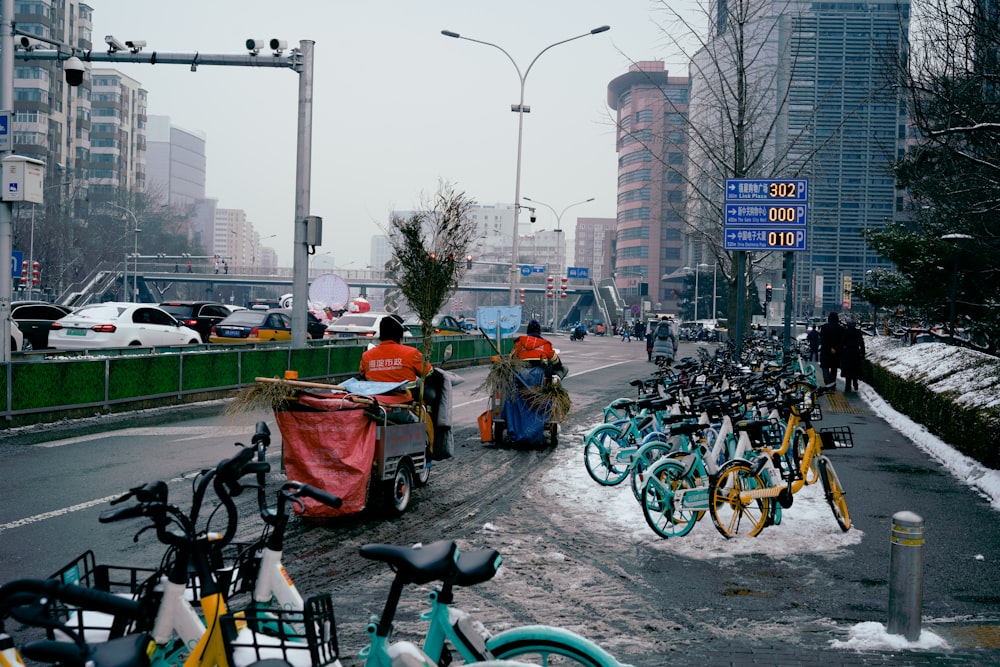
314,327
34,319
198,315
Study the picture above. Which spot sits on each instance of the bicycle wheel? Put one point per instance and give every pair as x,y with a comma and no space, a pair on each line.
659,506
834,493
550,646
645,458
732,515
600,455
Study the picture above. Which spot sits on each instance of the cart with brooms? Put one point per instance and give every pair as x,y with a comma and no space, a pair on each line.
368,443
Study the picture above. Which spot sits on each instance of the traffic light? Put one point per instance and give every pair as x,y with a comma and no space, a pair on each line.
468,262
767,292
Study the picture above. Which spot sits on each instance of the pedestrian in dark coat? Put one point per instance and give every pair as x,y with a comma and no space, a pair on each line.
851,353
813,338
831,337
664,342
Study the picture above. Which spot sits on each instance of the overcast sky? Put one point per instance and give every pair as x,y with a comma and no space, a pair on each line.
397,106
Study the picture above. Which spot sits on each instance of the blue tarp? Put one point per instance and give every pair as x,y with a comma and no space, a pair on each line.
369,388
525,426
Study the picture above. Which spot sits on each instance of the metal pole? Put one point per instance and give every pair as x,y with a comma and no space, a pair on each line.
6,228
906,563
520,109
303,176
697,272
715,291
135,266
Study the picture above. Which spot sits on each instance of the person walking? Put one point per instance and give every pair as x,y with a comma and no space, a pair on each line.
851,354
664,342
831,337
813,338
649,341
626,332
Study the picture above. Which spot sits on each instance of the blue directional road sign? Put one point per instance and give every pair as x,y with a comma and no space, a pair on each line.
526,269
766,214
767,189
16,257
5,134
757,238
578,272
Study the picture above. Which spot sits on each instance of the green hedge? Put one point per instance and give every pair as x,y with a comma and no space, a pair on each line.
975,433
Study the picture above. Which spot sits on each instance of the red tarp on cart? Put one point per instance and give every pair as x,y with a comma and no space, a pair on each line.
329,443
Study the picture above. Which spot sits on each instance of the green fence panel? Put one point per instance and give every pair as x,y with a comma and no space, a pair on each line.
53,383
131,377
312,362
210,370
263,363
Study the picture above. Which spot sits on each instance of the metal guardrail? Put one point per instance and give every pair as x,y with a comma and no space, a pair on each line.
49,386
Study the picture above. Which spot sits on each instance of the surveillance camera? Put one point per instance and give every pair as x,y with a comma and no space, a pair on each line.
135,45
255,45
113,44
29,44
278,45
73,70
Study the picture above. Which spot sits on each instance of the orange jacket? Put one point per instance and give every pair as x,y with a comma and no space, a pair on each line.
392,362
533,347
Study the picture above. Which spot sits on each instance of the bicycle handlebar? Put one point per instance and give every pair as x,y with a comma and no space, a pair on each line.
13,595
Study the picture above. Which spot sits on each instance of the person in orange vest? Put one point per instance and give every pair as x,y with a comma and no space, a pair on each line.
390,360
533,348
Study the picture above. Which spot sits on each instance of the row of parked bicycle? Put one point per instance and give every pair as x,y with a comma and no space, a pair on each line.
216,603
734,440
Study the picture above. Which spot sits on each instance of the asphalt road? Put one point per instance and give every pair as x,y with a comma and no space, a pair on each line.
569,560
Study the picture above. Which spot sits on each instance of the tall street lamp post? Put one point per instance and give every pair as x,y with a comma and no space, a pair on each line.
135,252
560,251
520,109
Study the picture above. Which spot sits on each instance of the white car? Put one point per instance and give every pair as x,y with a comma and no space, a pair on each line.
16,339
114,324
358,325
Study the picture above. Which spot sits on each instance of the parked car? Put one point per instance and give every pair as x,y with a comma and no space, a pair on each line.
253,326
354,325
199,315
440,325
119,324
314,326
16,338
34,319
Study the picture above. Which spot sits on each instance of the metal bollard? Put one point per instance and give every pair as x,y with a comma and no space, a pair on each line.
906,578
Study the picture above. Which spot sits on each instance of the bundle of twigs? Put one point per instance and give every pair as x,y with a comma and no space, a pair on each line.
275,394
550,398
501,381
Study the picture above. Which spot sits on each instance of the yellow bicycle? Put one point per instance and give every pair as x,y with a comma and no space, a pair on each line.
742,502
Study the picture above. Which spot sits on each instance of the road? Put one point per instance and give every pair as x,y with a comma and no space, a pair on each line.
575,554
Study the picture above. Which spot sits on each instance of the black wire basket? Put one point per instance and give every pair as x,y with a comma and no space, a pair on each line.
297,637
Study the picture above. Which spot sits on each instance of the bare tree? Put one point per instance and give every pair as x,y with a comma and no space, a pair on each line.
742,74
429,248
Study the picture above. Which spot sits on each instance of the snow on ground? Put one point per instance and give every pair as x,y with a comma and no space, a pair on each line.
809,526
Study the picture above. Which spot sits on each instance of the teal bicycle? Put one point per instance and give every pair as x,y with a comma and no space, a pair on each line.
449,626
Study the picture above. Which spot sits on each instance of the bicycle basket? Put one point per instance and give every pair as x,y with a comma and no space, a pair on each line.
836,437
93,626
305,638
772,434
816,414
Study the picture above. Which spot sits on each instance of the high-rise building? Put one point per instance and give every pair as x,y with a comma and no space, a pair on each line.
822,96
594,245
651,141
175,163
117,134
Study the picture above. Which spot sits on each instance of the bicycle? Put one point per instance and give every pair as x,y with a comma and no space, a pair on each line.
441,561
742,496
160,625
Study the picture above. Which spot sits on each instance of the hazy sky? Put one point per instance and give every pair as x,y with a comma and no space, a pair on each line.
397,106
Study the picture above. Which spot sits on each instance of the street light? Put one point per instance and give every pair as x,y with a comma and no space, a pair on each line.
135,253
560,250
520,109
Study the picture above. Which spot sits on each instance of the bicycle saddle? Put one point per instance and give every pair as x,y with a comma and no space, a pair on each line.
417,565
